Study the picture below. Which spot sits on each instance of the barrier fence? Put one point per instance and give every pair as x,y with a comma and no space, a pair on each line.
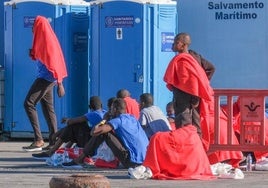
252,121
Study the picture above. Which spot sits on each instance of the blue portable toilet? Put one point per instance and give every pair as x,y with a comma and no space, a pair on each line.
1,66
131,47
2,33
20,70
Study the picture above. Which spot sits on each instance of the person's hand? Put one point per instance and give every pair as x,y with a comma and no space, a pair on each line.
60,90
64,120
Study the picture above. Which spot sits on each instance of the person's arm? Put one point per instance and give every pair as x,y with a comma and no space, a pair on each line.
101,129
208,67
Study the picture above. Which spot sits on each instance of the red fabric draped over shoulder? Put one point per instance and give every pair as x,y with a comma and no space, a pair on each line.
47,49
186,74
178,154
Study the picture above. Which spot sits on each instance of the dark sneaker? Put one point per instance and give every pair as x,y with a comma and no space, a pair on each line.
33,147
41,156
71,165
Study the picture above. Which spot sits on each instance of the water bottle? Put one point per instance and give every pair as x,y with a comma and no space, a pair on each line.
249,163
65,156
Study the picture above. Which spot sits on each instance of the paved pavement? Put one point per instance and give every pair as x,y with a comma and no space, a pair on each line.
18,169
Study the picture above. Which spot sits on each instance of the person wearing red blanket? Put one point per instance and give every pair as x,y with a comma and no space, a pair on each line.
188,81
46,50
231,157
132,105
175,155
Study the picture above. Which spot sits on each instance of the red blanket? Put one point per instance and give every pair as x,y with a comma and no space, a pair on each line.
132,107
207,126
46,48
178,154
186,74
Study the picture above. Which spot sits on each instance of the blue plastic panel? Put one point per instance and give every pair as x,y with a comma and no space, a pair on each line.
231,34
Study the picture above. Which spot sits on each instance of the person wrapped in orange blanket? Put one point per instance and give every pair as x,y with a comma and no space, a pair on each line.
175,155
207,126
193,94
47,52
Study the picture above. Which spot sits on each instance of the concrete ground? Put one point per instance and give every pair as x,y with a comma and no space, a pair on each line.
18,169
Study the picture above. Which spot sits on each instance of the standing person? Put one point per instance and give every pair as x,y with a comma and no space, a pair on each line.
46,50
132,105
78,128
123,134
152,119
187,80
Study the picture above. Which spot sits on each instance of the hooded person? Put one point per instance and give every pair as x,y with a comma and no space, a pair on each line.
47,53
175,155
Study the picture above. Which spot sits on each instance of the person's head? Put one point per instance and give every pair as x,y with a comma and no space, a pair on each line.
95,103
118,107
170,110
146,100
181,42
110,102
122,93
40,23
183,119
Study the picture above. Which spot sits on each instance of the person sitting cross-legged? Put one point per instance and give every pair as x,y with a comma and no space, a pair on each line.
123,134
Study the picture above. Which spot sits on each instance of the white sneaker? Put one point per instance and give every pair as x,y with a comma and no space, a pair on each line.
140,172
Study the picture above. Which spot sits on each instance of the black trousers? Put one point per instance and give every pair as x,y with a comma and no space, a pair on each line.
77,133
41,91
114,144
187,103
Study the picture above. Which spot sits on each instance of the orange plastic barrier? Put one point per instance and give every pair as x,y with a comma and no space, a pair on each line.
252,125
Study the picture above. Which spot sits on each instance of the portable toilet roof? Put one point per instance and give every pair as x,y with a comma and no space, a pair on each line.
139,1
55,2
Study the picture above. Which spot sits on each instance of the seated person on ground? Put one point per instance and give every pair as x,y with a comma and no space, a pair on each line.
152,119
77,129
132,105
171,115
178,154
123,134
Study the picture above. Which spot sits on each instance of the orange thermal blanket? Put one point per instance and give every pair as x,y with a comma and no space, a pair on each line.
47,49
178,154
184,73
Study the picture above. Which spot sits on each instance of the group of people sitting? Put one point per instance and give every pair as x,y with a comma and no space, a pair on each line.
138,134
142,138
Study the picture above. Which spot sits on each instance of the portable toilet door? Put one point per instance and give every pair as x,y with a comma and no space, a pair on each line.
72,31
20,70
119,61
123,47
158,39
